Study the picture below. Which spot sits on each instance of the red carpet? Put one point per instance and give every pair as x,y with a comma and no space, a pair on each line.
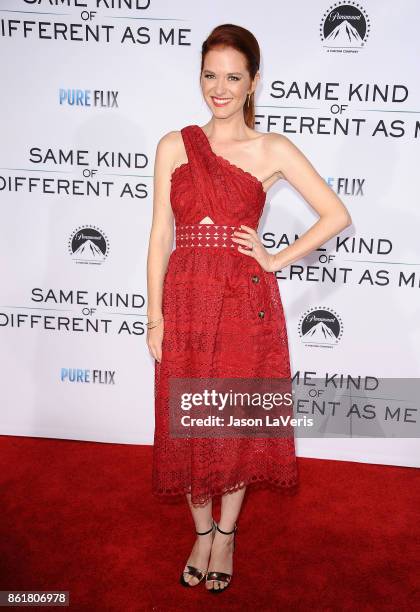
80,516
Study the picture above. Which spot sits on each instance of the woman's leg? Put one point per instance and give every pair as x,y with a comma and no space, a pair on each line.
221,559
199,557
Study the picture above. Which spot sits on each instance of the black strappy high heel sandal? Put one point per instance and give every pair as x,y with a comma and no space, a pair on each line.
221,576
194,571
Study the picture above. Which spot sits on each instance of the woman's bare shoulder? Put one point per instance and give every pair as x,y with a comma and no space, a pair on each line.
280,143
169,148
281,147
271,142
170,139
276,148
274,139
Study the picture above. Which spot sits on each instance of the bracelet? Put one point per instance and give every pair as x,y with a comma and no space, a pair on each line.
157,321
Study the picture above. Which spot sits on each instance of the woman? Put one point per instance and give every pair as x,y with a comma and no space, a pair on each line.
217,312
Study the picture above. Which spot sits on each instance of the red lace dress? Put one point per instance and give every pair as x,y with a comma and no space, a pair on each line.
223,317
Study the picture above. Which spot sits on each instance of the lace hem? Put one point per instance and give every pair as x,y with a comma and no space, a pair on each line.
286,486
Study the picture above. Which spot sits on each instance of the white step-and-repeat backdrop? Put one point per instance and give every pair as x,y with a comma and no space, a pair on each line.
88,89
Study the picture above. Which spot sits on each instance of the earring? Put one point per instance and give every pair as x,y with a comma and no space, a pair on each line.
247,99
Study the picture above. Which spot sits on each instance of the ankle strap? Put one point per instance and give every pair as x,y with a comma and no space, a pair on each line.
206,532
226,532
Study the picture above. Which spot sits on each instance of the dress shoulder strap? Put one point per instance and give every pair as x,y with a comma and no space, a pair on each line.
202,167
187,137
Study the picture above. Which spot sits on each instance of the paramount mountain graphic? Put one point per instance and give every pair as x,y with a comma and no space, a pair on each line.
88,250
319,333
344,35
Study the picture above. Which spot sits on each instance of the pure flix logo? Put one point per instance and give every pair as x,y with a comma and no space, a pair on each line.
81,375
344,28
88,245
86,97
320,326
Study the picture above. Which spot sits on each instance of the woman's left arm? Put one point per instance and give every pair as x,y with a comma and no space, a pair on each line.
334,216
301,174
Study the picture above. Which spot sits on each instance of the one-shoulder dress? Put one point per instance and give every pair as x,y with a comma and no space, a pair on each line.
223,318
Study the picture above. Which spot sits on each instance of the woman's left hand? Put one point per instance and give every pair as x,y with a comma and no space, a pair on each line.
249,238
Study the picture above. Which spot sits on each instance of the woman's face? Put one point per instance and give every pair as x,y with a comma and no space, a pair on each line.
225,81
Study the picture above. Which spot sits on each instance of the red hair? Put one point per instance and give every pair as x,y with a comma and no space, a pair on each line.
241,39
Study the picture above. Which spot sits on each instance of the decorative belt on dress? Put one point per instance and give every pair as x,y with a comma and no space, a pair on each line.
202,236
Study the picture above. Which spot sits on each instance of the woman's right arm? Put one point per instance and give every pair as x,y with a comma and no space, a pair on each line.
160,240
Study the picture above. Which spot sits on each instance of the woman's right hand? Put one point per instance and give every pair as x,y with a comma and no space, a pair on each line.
154,341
